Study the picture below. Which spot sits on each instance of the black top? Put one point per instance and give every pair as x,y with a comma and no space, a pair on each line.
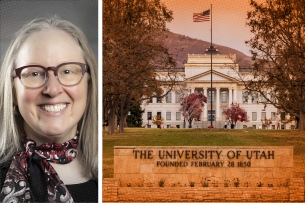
83,192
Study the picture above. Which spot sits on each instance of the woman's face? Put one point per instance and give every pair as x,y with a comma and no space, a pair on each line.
50,112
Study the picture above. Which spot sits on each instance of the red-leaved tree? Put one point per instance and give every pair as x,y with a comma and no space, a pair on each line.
235,113
191,107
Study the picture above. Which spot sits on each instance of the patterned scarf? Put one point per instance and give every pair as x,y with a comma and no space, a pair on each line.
32,178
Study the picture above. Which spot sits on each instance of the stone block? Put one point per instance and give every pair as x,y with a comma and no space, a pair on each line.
146,168
285,173
126,165
123,151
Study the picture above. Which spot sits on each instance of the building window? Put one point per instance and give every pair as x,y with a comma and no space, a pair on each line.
150,100
178,116
254,116
159,100
263,99
149,115
211,116
263,115
198,91
211,96
283,116
254,97
169,97
224,97
245,96
273,116
168,116
178,95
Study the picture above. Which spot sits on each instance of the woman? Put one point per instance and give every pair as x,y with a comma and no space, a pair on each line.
48,123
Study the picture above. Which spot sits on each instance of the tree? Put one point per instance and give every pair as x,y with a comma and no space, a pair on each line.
278,52
191,107
235,113
284,118
133,52
158,120
266,122
135,117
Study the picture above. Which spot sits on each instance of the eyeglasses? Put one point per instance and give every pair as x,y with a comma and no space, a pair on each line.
67,74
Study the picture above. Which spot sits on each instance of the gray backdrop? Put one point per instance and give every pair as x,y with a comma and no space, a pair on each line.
15,13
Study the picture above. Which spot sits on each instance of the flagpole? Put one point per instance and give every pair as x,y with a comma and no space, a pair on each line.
211,73
201,17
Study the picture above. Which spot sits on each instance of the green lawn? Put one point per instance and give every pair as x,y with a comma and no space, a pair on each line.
205,137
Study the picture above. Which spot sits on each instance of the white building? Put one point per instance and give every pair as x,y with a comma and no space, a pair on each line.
226,88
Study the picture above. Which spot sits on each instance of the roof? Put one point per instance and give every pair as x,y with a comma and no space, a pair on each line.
224,76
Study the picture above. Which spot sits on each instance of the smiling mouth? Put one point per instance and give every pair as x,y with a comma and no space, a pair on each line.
53,108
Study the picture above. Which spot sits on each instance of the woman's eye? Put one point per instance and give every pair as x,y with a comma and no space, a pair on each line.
67,72
33,74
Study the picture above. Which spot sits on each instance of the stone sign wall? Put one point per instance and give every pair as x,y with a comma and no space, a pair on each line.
198,174
203,166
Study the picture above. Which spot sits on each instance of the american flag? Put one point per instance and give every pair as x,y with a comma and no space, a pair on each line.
201,17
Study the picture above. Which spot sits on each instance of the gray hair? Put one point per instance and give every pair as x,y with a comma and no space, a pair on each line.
11,121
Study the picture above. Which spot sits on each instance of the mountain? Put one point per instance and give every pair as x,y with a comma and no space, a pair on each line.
187,45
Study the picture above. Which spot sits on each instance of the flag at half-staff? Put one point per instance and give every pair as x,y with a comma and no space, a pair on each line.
201,17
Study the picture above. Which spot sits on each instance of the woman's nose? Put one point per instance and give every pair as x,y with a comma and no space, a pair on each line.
52,86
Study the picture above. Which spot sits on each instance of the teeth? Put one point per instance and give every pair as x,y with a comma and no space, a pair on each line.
54,108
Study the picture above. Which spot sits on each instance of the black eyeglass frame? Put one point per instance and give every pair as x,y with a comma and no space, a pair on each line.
85,68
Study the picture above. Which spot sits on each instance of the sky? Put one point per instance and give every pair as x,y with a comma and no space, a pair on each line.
228,21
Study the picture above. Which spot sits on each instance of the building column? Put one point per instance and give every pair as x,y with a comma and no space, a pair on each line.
163,100
230,96
235,95
173,96
217,104
192,90
205,108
